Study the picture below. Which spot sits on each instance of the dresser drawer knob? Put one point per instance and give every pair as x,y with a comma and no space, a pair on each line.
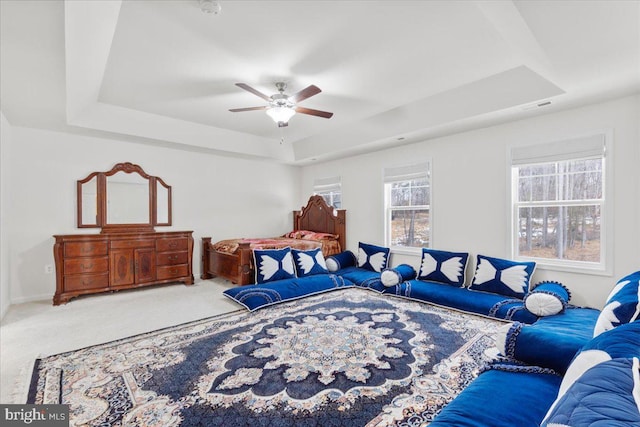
87,267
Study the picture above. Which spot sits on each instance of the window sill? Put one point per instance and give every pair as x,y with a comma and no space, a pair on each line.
566,268
406,250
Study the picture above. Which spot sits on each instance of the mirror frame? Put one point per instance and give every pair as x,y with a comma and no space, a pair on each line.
101,200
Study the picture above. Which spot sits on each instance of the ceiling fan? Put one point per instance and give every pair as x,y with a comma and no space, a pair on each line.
282,107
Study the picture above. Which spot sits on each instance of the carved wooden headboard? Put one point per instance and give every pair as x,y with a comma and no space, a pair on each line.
318,216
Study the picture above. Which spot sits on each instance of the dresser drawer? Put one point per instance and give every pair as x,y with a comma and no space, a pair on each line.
125,244
174,244
86,281
173,271
86,265
173,258
76,249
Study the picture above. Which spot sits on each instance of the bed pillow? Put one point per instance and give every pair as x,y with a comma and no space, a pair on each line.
393,276
606,395
309,262
310,235
547,298
273,264
372,257
502,276
443,267
339,261
622,305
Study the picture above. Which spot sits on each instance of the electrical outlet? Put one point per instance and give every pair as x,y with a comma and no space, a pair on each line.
48,269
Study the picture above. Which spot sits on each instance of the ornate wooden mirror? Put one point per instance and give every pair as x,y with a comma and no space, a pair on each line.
123,199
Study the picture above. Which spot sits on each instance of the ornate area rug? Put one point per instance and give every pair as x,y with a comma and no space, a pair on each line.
344,358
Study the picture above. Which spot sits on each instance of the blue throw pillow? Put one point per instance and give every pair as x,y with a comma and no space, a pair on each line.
339,261
273,264
309,262
443,267
372,257
622,305
399,274
623,341
547,298
606,395
502,276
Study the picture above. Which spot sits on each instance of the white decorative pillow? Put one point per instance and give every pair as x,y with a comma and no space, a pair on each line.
547,299
393,276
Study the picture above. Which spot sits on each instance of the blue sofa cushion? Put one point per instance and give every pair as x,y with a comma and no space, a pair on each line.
362,278
500,398
339,261
273,264
254,297
502,276
372,257
547,298
622,305
309,262
551,342
393,276
443,267
606,395
484,303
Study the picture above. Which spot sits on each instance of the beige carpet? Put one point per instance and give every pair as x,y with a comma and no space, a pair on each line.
36,329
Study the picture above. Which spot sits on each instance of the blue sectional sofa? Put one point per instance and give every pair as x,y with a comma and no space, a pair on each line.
577,368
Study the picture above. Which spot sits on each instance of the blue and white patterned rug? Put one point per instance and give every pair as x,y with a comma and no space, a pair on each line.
345,358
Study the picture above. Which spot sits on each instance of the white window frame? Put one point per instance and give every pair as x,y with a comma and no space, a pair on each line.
329,188
592,146
399,174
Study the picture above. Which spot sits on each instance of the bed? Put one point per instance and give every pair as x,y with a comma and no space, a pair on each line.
232,259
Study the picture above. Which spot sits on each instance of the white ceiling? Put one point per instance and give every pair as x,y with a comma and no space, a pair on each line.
392,72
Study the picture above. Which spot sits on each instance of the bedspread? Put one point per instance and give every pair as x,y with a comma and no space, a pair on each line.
329,246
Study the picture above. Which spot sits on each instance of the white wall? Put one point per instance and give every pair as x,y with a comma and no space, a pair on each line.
222,197
471,193
5,144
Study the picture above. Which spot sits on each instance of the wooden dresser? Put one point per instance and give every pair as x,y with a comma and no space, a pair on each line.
92,263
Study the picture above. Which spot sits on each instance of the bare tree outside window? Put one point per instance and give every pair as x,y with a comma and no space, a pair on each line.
408,212
559,210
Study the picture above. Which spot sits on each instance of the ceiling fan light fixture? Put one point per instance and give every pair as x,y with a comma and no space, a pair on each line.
281,114
210,6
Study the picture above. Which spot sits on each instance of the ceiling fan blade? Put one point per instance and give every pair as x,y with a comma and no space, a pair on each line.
238,110
305,93
253,91
313,112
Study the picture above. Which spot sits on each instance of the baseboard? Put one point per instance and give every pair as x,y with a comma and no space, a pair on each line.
3,310
22,300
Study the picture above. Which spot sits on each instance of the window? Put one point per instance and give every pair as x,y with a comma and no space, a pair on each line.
407,205
330,189
558,193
